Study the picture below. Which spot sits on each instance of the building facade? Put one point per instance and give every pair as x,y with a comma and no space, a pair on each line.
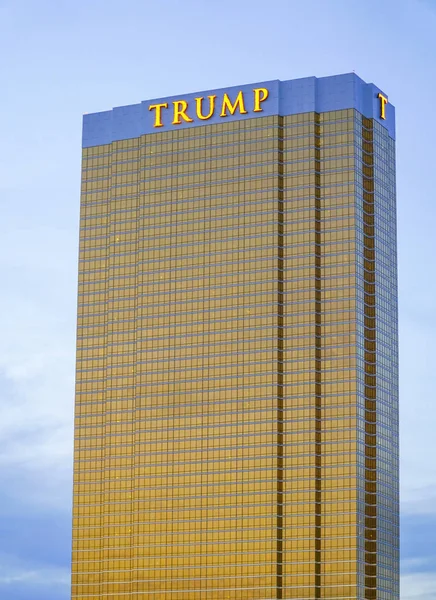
236,428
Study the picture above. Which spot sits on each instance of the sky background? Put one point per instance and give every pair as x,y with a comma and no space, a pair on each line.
62,58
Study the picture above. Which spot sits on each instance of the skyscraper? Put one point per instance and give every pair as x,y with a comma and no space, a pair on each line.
236,432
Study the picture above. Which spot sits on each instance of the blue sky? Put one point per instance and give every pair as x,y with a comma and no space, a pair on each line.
60,59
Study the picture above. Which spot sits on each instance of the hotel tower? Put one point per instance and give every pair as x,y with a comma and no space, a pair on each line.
236,412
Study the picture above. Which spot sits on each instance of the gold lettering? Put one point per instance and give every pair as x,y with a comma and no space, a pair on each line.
260,95
180,107
383,102
227,105
199,104
158,116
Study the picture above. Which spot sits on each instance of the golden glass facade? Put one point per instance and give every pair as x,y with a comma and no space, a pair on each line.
236,418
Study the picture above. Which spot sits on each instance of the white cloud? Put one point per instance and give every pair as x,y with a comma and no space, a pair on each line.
417,410
13,571
37,321
416,564
37,369
418,500
418,586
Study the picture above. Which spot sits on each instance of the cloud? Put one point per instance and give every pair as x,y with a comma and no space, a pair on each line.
419,500
32,580
37,349
417,410
37,382
46,577
412,565
418,586
37,320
